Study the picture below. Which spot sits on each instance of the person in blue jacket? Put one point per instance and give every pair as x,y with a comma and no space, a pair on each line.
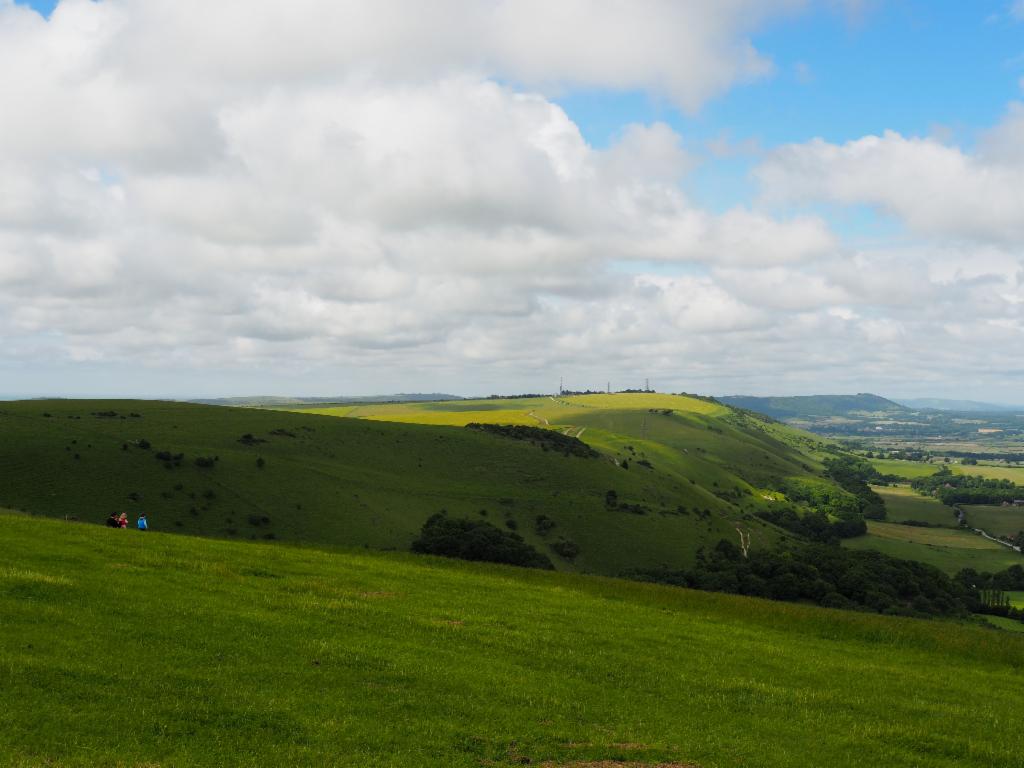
143,525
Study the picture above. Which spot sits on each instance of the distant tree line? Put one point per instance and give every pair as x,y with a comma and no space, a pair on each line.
967,489
516,397
986,456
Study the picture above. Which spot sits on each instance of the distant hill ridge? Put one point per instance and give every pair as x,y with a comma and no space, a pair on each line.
962,406
814,405
257,400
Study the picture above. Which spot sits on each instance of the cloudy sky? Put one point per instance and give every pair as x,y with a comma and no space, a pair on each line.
322,197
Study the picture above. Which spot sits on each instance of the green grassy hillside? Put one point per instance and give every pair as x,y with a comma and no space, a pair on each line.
122,648
721,452
354,482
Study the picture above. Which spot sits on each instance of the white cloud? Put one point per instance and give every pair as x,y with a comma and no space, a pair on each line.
936,189
328,197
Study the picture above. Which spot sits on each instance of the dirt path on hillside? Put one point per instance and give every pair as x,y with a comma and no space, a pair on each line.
541,419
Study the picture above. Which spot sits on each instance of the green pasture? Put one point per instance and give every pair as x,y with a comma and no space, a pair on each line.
1016,599
996,520
914,469
991,471
904,503
122,648
947,549
906,469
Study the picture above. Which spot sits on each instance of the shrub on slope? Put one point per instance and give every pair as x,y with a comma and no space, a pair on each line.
547,439
476,540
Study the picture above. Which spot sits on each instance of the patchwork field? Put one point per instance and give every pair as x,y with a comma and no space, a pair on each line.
123,648
947,549
914,469
995,472
904,503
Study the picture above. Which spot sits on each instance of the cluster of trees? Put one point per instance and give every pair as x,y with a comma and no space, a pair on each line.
967,489
814,526
476,540
826,575
823,497
986,592
170,460
853,474
547,439
834,577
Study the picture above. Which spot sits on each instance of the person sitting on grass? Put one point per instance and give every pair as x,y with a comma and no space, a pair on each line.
142,524
112,520
122,521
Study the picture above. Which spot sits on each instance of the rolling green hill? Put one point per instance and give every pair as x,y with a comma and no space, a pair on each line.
717,448
122,648
362,482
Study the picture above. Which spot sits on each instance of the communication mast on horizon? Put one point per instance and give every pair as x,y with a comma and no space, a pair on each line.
647,385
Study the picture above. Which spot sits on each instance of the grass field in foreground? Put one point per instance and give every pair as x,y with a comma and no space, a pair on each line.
902,503
947,549
121,648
